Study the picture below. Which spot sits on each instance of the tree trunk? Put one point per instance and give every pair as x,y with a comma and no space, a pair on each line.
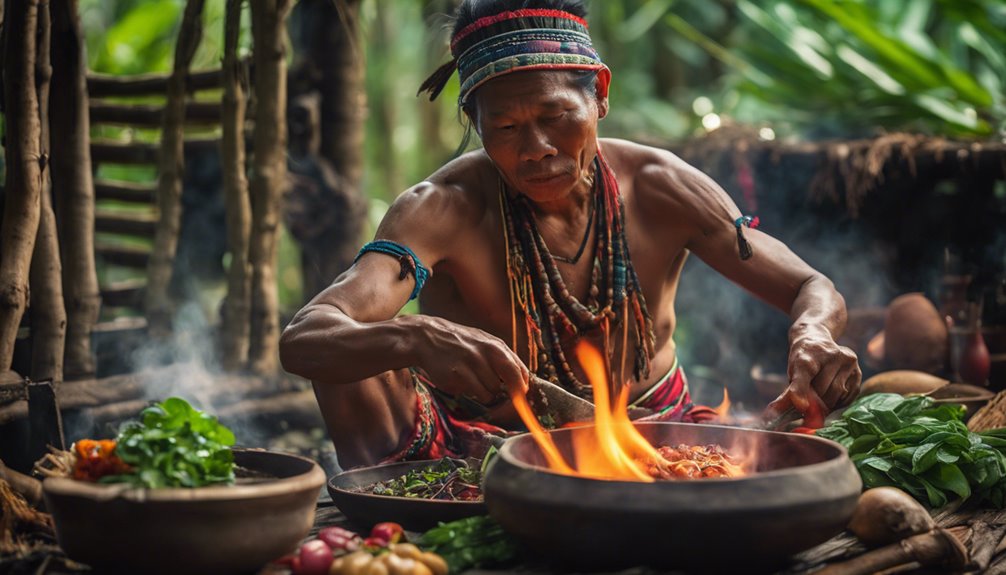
159,307
343,105
237,305
269,174
343,98
73,186
48,316
24,175
435,151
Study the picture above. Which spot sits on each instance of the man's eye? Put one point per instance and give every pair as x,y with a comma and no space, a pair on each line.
555,118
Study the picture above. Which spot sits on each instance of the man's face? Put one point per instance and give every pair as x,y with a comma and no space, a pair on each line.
540,129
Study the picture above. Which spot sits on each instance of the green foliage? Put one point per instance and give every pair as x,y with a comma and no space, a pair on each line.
922,448
447,479
847,67
470,543
175,445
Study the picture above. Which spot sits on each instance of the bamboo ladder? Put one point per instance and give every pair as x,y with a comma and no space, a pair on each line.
125,212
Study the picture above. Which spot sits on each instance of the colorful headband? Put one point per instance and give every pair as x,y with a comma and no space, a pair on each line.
513,41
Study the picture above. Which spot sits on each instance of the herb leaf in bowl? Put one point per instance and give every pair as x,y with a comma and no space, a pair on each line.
175,445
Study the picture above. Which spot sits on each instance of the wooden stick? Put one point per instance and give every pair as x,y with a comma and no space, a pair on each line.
48,313
104,152
44,419
129,192
269,175
107,86
130,224
126,256
24,177
158,304
73,187
237,305
937,547
149,116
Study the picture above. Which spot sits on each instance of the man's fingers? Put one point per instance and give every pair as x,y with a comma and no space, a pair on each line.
779,405
829,384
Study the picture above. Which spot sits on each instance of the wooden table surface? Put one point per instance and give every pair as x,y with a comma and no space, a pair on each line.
981,530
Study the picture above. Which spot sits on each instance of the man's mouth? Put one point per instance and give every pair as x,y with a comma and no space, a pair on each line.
546,178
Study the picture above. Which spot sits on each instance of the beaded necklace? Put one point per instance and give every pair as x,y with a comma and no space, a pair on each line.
551,313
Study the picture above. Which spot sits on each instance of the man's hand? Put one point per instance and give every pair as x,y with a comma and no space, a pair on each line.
822,376
466,361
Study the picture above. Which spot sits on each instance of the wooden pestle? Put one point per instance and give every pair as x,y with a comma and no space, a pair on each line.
936,547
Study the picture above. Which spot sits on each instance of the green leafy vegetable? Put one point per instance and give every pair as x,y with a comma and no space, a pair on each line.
470,543
175,445
448,479
922,448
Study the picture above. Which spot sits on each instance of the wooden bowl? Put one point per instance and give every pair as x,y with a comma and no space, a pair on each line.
220,530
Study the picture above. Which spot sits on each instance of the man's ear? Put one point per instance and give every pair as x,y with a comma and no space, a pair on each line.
601,85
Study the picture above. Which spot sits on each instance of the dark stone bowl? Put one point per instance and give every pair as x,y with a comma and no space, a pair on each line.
802,494
366,509
220,530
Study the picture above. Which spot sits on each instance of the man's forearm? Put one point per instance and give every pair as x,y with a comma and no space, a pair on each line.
324,343
818,306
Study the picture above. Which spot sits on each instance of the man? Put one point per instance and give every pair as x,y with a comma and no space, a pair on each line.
521,250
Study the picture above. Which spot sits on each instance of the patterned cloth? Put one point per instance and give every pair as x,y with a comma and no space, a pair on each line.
442,430
525,39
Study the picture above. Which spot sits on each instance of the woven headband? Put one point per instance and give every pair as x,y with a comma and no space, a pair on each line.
530,39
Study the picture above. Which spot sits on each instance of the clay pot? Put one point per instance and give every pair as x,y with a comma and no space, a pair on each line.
221,530
914,336
804,493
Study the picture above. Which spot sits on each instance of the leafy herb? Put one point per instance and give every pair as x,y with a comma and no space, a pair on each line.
448,479
922,448
470,543
174,445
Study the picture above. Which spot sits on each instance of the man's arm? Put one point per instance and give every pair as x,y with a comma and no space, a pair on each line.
822,374
349,331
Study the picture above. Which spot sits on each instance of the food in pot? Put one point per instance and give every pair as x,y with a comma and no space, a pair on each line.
693,462
445,480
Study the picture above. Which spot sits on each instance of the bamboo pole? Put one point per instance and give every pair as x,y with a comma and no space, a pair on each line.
106,86
158,304
237,305
269,174
73,186
48,316
151,116
24,174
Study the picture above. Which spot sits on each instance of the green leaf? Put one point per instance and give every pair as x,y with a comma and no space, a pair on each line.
949,477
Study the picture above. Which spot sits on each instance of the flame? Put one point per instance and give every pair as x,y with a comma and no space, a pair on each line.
552,455
723,409
612,448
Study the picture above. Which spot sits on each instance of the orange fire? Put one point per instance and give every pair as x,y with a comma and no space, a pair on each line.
613,448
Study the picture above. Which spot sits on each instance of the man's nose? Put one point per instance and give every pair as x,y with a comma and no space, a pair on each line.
535,145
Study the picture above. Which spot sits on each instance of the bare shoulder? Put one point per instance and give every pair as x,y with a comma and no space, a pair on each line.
665,186
431,214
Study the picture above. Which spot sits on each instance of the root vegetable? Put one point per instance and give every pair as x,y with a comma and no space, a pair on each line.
315,558
436,563
353,564
886,514
407,550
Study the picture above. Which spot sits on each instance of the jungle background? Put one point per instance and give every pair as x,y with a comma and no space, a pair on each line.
868,135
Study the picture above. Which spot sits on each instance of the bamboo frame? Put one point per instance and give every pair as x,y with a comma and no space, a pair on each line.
236,326
269,175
